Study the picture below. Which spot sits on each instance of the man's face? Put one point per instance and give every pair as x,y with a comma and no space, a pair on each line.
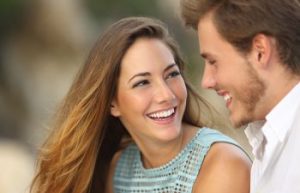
230,74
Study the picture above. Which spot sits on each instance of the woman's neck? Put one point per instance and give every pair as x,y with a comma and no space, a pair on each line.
158,154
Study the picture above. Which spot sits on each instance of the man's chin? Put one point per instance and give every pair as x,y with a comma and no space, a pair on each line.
239,123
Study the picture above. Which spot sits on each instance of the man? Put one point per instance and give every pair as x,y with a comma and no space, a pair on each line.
251,50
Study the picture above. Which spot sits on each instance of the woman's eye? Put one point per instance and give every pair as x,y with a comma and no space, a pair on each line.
173,74
140,83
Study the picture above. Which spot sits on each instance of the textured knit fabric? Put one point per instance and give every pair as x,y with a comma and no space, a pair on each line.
177,176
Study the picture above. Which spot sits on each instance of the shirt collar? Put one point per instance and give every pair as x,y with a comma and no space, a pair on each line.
282,115
255,136
277,125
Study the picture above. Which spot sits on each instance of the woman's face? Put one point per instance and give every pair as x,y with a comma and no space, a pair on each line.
151,94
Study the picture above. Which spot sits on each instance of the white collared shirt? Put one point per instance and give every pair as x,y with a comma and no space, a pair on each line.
276,147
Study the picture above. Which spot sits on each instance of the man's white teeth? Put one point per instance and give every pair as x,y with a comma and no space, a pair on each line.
227,97
162,114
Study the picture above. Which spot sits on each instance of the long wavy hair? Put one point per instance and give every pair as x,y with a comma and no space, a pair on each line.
76,155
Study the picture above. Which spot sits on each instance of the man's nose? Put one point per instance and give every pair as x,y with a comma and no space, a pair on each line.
208,78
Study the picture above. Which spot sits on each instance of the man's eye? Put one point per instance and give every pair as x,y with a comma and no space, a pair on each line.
211,62
140,83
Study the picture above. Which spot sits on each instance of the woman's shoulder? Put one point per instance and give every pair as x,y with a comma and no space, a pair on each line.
127,151
208,136
226,168
111,171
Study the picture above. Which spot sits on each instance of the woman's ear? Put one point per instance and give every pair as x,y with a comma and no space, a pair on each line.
114,110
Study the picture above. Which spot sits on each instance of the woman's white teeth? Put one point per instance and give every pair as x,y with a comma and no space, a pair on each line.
227,97
162,114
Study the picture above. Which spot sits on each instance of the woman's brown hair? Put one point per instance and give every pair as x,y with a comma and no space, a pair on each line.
75,157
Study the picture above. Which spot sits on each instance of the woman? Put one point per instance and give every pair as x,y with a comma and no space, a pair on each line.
131,123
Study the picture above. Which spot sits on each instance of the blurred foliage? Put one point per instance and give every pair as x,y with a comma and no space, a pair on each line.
112,9
11,13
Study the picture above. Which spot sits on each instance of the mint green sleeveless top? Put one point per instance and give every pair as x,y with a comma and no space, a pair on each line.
177,176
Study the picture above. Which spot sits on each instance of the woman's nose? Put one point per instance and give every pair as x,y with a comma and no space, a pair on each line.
164,93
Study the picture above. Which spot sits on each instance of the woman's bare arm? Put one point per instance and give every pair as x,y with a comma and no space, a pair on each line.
226,169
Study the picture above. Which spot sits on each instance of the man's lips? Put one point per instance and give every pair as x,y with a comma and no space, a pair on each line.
227,99
226,96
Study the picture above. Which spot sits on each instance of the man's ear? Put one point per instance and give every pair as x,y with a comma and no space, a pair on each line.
262,48
114,109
